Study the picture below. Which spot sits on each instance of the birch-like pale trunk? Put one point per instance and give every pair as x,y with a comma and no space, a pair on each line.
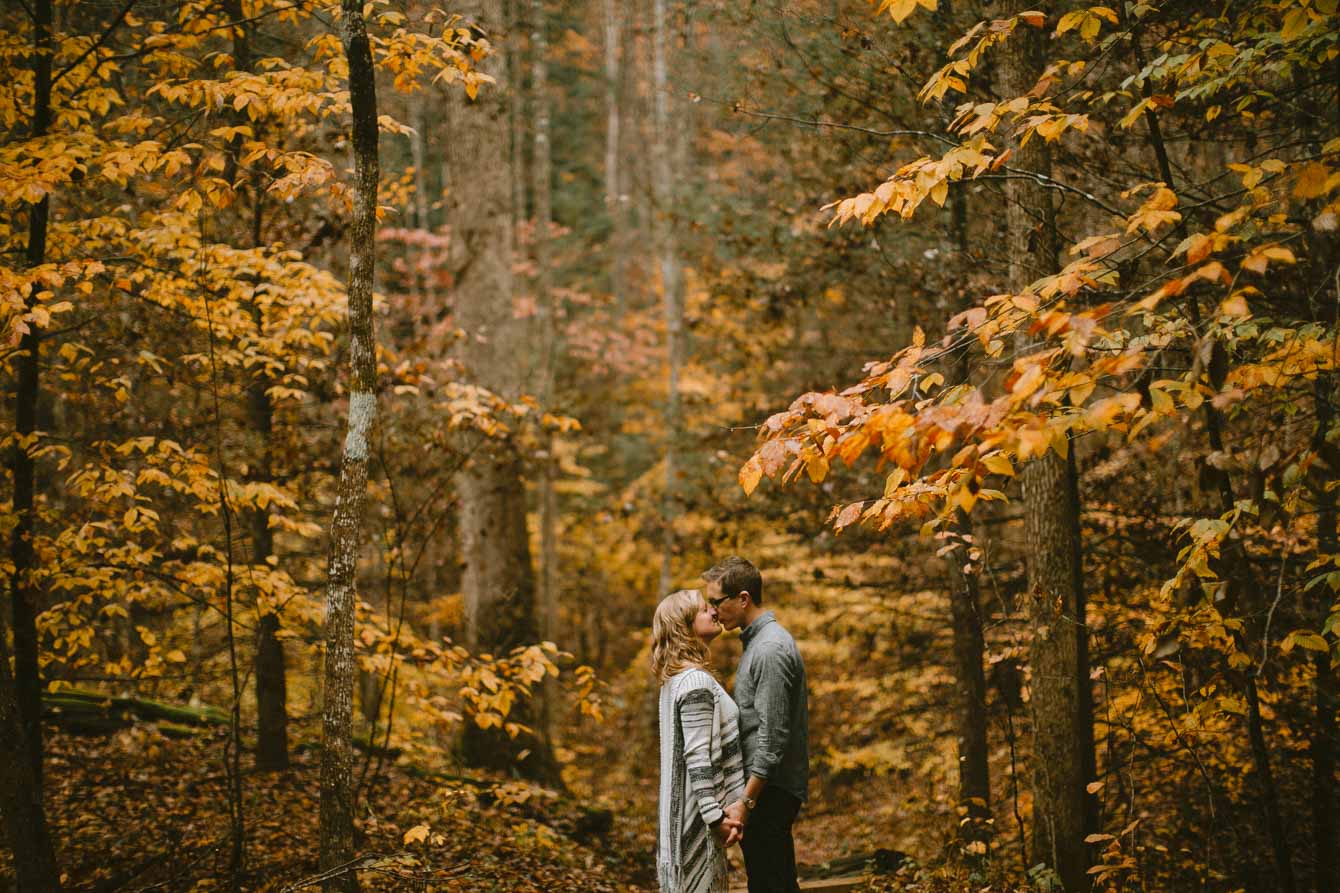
337,783
1062,731
671,269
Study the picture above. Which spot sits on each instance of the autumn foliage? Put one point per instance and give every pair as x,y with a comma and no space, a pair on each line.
810,282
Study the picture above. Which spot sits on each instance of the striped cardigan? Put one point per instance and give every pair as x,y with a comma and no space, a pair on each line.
702,771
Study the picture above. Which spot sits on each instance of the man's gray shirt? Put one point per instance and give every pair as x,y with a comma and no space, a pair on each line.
771,692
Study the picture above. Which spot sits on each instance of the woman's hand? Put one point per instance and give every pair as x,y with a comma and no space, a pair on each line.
728,832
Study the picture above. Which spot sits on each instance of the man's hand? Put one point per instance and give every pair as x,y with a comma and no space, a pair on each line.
737,813
728,832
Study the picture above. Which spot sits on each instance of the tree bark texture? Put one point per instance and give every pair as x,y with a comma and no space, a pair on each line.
974,772
542,171
21,793
24,606
1062,727
671,268
498,579
613,32
268,663
337,787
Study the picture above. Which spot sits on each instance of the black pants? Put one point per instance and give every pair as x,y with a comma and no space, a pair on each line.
769,849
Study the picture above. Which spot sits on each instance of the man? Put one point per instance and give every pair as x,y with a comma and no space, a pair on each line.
774,726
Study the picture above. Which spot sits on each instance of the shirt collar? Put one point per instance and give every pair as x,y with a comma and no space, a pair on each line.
752,629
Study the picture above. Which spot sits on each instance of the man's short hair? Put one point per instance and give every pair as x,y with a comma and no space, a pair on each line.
737,575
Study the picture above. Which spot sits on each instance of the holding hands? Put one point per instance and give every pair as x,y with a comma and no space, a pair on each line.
730,830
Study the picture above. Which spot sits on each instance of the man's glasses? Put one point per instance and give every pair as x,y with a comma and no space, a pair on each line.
718,602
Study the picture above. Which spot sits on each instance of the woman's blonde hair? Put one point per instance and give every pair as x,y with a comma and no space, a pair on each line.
674,647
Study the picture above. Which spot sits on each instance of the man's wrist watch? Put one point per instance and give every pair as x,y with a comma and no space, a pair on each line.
749,803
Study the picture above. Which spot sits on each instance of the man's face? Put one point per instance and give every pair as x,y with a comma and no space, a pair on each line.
729,608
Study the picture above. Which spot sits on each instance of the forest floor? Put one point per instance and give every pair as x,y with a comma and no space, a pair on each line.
138,811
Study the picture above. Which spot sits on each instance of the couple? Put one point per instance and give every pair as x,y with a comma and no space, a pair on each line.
731,770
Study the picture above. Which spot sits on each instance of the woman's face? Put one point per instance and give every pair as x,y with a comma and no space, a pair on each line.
705,624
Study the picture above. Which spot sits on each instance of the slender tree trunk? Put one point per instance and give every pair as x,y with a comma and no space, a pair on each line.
337,788
1241,577
24,595
269,665
613,30
1062,729
671,269
498,580
974,774
1325,839
542,170
516,117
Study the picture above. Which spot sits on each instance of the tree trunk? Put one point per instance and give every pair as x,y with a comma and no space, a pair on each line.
542,171
21,791
498,580
1062,729
24,595
1241,576
671,269
974,787
613,30
337,788
1325,841
269,665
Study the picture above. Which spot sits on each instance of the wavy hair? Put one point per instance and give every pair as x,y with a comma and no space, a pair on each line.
674,647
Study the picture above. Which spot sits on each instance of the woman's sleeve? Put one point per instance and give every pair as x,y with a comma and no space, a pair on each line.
696,710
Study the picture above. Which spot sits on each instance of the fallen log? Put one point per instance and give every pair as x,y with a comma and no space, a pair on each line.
91,712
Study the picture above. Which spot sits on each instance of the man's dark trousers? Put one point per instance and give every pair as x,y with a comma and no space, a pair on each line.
769,848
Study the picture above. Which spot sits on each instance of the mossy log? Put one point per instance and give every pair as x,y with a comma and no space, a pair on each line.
91,712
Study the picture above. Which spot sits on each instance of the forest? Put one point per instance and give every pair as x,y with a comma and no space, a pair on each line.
372,370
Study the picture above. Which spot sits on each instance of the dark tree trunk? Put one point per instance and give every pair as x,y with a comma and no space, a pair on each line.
974,775
271,669
1062,729
1325,821
271,684
337,787
1325,840
1240,574
24,595
21,792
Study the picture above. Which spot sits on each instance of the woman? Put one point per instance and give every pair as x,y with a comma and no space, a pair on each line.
701,767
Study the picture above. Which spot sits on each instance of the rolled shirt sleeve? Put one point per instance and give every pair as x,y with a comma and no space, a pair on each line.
696,711
777,677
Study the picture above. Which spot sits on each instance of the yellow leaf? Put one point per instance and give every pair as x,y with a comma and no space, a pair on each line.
1234,305
417,834
751,474
998,463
